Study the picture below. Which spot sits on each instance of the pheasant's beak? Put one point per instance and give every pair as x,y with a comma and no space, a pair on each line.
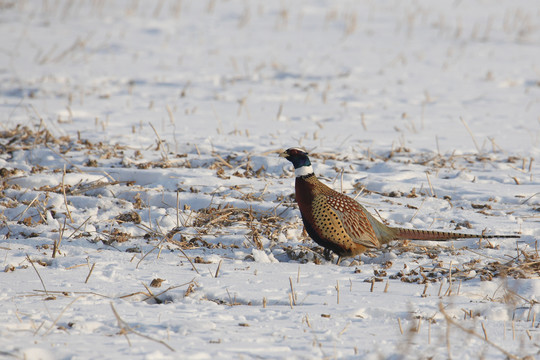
283,154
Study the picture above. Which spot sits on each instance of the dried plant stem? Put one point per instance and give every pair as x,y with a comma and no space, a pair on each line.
145,255
26,209
293,294
191,262
448,346
429,332
151,250
218,267
363,120
56,244
170,113
177,208
307,321
424,293
449,290
451,321
64,193
154,296
280,111
125,329
77,292
470,133
344,329
418,209
223,161
78,228
39,127
65,159
337,291
150,293
484,330
90,273
160,144
37,272
430,186
149,215
60,315
440,289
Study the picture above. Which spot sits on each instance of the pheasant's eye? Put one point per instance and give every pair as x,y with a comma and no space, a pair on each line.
296,152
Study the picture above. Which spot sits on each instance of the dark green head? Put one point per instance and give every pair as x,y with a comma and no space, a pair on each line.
299,159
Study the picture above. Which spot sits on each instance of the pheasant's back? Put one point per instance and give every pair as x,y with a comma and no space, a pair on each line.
334,220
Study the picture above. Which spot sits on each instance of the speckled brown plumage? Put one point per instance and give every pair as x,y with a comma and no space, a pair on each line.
340,224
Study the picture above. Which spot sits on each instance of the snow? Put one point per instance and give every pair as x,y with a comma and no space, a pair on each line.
168,118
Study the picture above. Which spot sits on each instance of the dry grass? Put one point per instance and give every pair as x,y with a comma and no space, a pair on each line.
216,220
206,228
202,228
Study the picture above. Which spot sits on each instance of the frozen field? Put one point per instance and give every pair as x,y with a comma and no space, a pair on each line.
145,214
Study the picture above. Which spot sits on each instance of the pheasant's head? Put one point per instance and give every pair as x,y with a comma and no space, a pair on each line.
300,161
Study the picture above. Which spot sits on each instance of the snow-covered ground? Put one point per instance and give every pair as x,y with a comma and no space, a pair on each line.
145,214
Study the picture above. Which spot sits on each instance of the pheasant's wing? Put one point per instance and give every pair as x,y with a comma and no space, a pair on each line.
354,219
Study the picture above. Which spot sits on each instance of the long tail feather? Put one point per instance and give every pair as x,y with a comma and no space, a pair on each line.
433,235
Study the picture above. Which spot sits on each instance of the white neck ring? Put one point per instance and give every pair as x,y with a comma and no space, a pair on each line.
303,171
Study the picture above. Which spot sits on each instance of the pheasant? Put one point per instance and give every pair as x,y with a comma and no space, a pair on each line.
340,224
